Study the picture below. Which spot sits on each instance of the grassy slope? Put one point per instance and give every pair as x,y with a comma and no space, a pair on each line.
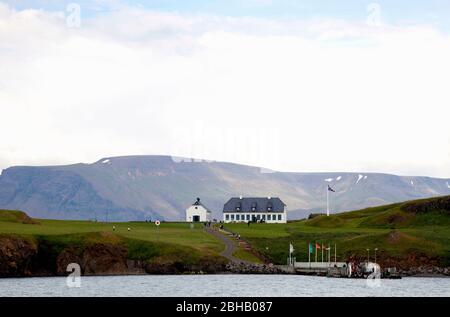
176,241
395,230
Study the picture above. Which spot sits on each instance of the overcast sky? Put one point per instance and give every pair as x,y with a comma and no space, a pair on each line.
289,85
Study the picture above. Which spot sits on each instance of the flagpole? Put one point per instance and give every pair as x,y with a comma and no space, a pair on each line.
309,254
329,253
322,252
290,251
335,253
315,246
328,202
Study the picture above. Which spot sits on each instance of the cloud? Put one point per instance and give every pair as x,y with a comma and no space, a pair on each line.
305,95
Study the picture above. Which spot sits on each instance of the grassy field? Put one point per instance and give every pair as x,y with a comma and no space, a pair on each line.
412,231
144,241
176,233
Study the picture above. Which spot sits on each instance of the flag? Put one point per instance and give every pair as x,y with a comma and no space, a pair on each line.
331,189
311,250
291,248
317,246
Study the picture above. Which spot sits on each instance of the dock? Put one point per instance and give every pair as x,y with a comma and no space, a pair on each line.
344,270
336,269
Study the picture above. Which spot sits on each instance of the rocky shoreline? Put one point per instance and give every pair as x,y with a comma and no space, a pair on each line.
21,257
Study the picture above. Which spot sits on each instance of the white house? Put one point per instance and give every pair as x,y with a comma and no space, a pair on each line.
198,212
254,209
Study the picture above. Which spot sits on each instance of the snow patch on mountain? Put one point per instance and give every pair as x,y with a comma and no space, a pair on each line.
329,180
106,161
339,178
412,183
1,171
448,185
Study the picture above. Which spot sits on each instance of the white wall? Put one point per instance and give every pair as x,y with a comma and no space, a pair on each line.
197,210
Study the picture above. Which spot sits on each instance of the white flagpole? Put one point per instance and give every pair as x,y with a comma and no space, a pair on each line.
322,252
328,202
335,253
329,253
290,260
309,254
315,247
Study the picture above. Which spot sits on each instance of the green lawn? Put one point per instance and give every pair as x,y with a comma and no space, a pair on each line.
420,228
168,238
394,230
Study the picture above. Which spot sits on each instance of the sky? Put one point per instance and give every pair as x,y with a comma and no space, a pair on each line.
306,86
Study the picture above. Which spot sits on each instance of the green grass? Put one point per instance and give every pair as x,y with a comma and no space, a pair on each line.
398,230
394,229
176,233
169,241
246,256
15,216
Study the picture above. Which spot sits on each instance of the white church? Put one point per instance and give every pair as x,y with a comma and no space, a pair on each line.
198,212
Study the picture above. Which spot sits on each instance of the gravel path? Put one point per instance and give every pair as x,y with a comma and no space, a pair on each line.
230,245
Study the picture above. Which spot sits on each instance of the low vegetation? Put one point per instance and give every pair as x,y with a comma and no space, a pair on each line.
177,247
405,234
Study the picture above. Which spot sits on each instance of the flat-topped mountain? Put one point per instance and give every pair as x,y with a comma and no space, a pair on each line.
151,187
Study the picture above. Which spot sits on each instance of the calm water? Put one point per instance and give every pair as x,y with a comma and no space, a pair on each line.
223,285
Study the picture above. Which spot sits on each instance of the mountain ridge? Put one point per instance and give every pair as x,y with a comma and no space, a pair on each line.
160,186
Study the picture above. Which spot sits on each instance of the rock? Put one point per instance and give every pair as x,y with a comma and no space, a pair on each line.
66,257
104,259
96,259
16,255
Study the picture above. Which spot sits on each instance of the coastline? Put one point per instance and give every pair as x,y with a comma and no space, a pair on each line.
25,257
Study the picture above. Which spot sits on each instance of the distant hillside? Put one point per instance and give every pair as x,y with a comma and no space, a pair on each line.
149,187
412,214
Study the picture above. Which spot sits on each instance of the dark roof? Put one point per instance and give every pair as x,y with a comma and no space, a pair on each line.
198,203
261,204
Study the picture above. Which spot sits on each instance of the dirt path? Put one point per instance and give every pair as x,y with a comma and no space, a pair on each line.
230,245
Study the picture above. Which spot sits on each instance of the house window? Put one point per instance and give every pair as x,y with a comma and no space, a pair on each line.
279,217
258,217
269,217
238,208
238,217
232,217
263,217
227,217
248,217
